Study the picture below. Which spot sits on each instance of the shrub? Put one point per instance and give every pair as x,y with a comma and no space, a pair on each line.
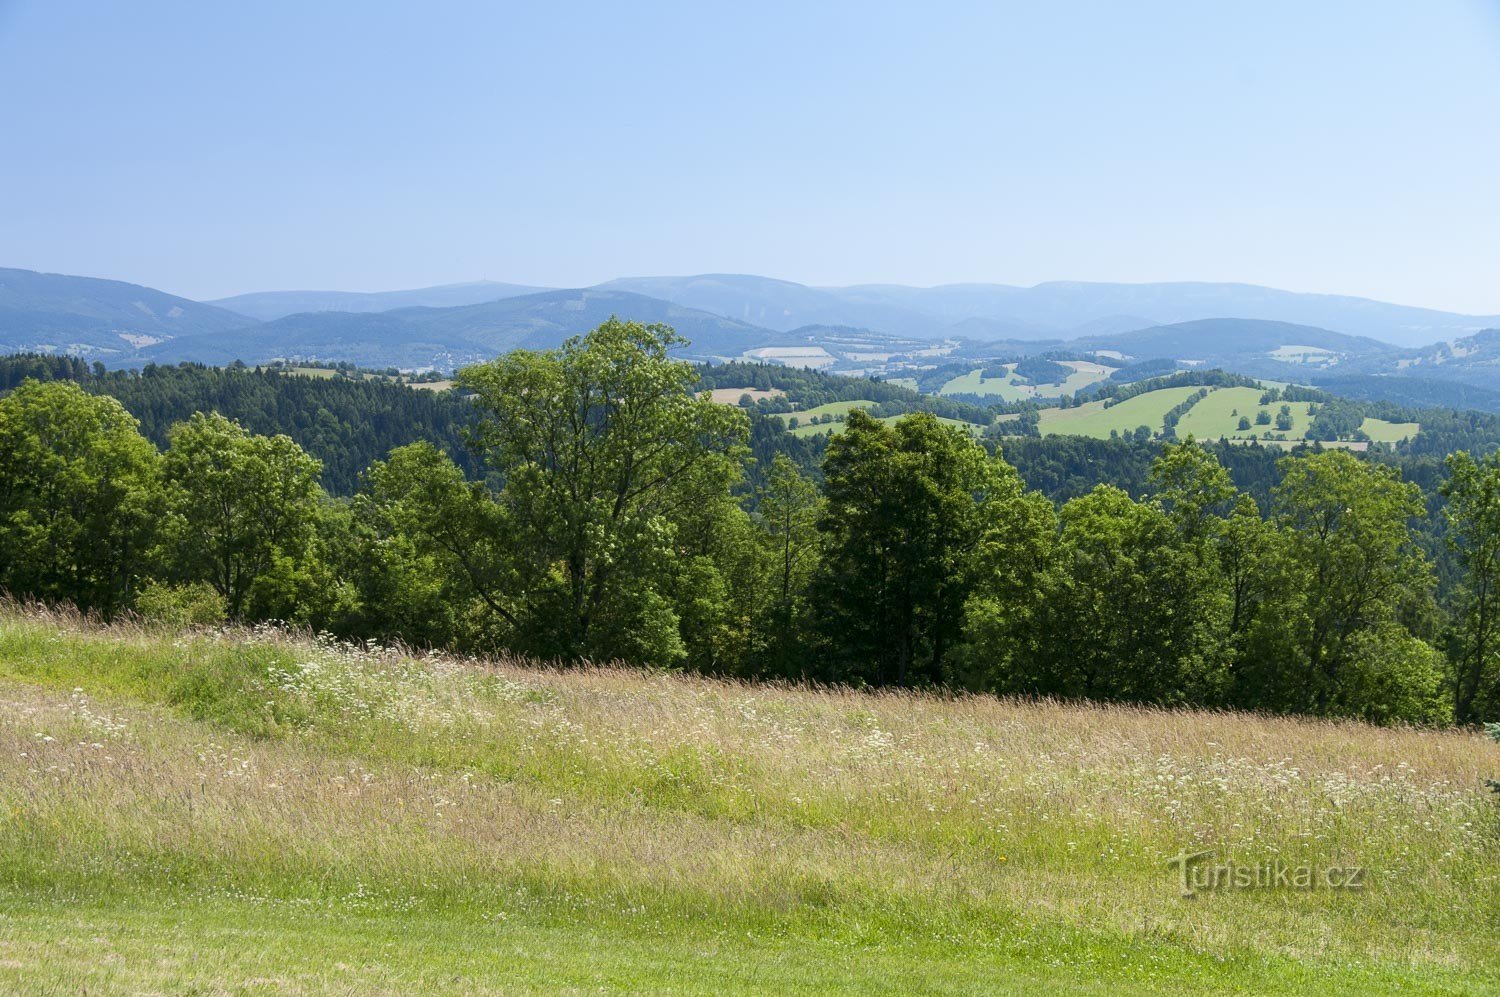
193,604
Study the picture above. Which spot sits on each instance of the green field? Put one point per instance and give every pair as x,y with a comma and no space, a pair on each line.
1093,419
1219,414
1012,388
248,812
838,427
1211,418
1381,431
1008,388
839,410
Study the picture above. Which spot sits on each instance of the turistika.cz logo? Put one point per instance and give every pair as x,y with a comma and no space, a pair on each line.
1196,871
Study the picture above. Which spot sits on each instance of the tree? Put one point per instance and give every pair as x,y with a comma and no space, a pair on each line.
908,508
1473,515
1192,488
1347,565
241,507
1132,609
603,448
432,546
75,497
788,506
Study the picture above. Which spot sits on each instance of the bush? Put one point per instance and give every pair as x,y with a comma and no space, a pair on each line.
1395,678
195,604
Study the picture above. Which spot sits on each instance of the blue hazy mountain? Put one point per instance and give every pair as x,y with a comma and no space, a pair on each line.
449,337
99,318
268,305
1053,310
1059,309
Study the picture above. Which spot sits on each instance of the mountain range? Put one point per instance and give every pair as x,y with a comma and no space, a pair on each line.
881,329
265,306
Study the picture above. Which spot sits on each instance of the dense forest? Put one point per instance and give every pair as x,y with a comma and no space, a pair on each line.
345,423
620,515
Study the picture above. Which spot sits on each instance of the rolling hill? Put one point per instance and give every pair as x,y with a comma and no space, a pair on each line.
265,306
884,330
1057,309
49,312
449,337
778,304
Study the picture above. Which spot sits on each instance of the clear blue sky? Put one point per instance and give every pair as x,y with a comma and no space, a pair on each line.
210,148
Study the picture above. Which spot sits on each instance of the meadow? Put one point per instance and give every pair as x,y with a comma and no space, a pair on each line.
321,817
1096,420
1214,417
1012,388
1219,415
840,411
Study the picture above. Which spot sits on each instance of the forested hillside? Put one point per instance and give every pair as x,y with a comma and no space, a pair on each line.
628,519
346,424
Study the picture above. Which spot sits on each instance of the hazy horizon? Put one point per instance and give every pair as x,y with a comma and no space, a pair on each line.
212,151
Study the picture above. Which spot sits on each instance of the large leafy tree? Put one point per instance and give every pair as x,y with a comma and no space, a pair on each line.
604,451
1473,513
75,496
242,509
1347,578
434,560
914,514
1131,609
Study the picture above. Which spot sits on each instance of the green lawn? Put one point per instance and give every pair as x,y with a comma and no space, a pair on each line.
1093,419
249,812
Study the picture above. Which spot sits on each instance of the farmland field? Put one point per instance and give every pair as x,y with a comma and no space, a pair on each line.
1093,419
1012,388
1381,431
1219,414
732,396
240,811
837,426
1008,388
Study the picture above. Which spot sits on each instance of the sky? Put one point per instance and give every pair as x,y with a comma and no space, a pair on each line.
215,148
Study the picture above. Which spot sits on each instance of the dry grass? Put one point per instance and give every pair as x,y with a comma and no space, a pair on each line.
255,767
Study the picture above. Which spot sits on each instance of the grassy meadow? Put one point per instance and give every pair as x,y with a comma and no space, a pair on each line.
253,811
840,411
1097,420
1214,417
1013,388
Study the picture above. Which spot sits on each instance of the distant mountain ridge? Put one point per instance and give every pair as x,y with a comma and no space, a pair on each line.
47,311
842,329
1057,309
416,338
1051,310
266,306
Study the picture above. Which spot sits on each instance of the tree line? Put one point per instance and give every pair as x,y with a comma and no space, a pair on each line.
623,517
346,423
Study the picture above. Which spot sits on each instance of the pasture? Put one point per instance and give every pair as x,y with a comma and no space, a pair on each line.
1094,419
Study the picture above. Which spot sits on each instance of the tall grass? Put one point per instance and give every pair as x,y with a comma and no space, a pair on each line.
272,768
